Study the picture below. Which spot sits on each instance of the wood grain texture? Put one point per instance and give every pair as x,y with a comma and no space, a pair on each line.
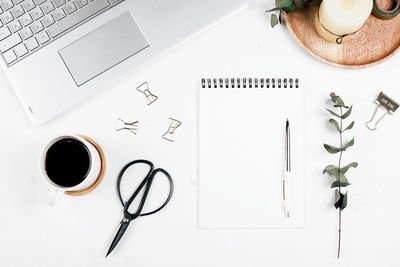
99,177
377,41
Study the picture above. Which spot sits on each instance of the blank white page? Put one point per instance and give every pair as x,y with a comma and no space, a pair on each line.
241,157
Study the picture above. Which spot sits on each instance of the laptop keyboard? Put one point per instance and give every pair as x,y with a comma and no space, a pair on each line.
27,25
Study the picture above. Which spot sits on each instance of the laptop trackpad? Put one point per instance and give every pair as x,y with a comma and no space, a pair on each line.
103,48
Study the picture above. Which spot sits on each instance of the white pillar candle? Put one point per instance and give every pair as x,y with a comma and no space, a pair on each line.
344,16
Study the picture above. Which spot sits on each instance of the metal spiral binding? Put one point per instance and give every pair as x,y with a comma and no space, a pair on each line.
249,83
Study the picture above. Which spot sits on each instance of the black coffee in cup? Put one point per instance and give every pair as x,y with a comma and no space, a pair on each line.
67,162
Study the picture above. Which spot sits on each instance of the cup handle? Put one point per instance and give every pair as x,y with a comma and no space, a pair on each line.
54,197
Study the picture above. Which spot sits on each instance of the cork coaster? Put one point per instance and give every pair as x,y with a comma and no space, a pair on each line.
99,177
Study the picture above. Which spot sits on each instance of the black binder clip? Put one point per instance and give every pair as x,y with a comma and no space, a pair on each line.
384,103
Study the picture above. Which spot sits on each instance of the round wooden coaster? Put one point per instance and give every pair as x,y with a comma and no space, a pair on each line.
377,41
99,177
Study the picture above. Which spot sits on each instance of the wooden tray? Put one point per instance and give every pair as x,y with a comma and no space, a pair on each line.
377,41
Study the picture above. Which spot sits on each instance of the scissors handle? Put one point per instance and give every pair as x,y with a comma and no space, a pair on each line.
147,182
171,190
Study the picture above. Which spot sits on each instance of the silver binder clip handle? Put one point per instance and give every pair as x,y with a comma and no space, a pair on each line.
370,124
144,88
150,98
129,126
169,135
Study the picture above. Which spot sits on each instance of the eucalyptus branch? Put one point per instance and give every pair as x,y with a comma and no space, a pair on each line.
286,6
339,171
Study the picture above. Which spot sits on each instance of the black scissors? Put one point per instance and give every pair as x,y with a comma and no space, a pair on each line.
146,183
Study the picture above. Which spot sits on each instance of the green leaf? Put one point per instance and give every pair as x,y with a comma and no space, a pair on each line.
341,201
332,149
337,195
348,166
290,8
283,3
338,106
338,101
332,169
340,177
339,184
335,124
349,144
344,202
348,112
273,9
333,113
274,20
349,127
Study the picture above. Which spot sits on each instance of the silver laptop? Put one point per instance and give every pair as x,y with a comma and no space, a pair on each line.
56,53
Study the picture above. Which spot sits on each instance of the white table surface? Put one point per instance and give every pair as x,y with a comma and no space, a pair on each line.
79,230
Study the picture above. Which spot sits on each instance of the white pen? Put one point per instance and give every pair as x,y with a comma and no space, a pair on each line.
287,171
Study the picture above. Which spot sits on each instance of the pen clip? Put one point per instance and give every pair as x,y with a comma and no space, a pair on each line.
288,169
288,159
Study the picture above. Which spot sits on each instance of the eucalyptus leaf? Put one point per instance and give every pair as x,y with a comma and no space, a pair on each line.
341,203
283,3
332,169
344,202
274,20
337,106
339,184
335,124
337,203
348,112
337,195
338,101
333,113
332,149
348,166
349,127
340,177
349,144
289,9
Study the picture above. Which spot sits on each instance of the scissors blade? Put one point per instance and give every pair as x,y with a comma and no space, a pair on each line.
120,233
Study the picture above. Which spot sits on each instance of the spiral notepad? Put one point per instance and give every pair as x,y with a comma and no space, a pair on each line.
250,83
241,152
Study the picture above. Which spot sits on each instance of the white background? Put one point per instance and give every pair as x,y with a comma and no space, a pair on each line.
79,230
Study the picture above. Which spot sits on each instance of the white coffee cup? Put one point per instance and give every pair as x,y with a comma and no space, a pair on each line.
56,190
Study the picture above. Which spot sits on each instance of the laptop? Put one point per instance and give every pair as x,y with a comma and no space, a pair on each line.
56,53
